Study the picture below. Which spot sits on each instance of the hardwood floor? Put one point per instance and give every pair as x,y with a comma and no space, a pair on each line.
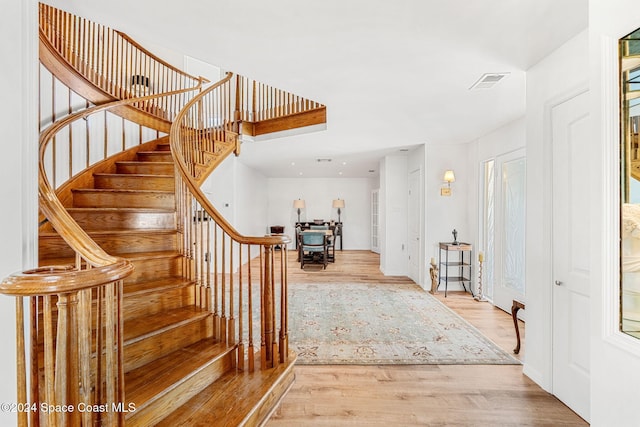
428,395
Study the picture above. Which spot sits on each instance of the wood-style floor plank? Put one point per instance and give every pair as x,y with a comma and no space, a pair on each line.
428,395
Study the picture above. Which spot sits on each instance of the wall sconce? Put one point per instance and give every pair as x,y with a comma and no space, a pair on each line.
339,204
299,205
449,177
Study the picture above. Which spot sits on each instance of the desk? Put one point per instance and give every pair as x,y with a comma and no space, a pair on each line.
462,264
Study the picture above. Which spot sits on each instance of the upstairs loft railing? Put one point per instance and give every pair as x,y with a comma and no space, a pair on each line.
258,101
122,68
113,62
203,134
69,363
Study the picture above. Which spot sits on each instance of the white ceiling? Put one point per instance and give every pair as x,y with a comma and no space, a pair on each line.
393,74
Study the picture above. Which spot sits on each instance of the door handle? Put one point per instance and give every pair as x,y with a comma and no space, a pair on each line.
558,283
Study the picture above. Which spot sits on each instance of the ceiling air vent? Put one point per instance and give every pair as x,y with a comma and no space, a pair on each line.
488,80
323,160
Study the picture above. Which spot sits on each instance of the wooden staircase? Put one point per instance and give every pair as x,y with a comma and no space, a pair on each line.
174,368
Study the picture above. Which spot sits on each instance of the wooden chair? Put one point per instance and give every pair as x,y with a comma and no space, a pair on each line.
313,248
331,241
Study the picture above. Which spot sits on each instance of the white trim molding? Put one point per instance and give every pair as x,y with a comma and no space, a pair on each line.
610,137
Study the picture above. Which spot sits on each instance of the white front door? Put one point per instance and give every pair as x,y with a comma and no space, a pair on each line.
571,270
413,225
509,255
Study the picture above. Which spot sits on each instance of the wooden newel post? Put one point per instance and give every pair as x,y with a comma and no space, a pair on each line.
267,304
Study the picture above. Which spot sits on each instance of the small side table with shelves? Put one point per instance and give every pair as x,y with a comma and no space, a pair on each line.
455,268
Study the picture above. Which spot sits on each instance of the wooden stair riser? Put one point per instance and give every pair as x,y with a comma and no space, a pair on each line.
155,156
163,146
54,246
144,304
148,168
172,399
123,199
155,268
147,349
119,219
134,182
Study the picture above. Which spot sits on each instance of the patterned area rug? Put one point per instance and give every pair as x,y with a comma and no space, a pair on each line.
363,324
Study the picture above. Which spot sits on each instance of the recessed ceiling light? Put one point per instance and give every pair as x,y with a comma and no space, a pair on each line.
300,173
344,163
293,163
339,173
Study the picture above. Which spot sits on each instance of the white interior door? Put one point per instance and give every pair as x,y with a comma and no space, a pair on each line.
571,271
509,254
413,225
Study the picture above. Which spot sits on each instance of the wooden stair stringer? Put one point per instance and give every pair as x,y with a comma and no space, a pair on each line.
317,116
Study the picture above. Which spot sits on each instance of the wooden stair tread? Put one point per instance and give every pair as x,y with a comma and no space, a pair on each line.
138,162
157,285
234,398
123,209
148,381
131,256
119,190
133,175
128,231
138,329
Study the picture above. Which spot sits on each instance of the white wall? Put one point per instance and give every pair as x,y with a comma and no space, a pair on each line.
615,357
239,193
445,213
548,82
393,215
318,194
219,187
18,173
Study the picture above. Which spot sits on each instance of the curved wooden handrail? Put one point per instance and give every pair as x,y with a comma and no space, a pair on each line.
51,206
175,138
63,279
160,60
